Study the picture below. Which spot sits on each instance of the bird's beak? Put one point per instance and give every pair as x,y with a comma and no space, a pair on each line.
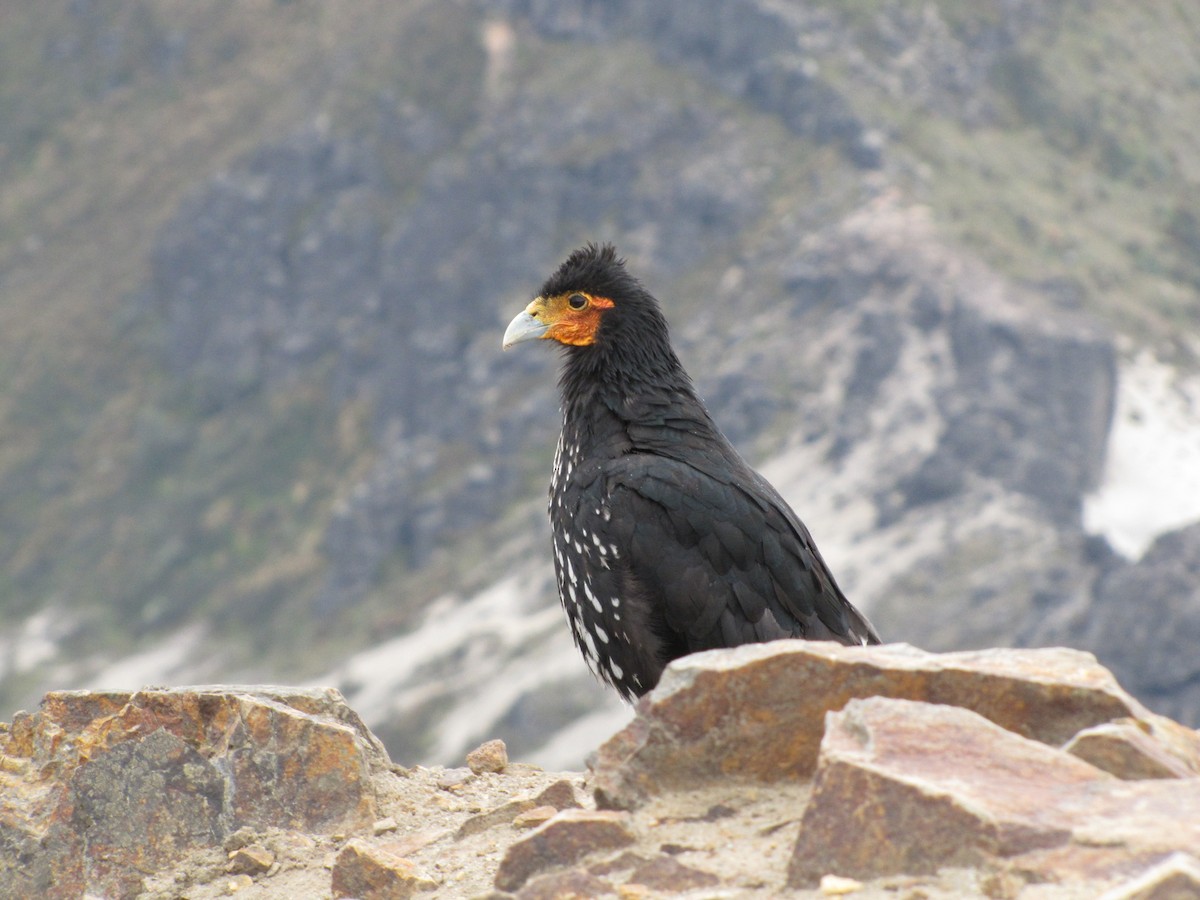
524,327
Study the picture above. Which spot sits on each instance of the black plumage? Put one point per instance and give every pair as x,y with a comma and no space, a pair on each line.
665,541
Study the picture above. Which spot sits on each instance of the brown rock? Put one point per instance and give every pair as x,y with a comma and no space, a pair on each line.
560,795
489,757
1175,878
907,787
1181,742
669,875
534,817
622,862
562,841
252,860
243,837
1128,751
114,784
757,711
501,815
370,873
572,884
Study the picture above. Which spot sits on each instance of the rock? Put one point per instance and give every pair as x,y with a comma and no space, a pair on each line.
117,784
370,873
670,876
489,757
563,841
626,861
567,885
251,860
1175,878
880,803
758,710
560,795
243,837
906,787
534,817
384,825
1127,751
501,815
837,886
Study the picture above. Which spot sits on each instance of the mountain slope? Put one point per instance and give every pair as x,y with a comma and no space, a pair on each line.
255,259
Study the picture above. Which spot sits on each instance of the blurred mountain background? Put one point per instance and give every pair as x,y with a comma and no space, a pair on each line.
934,266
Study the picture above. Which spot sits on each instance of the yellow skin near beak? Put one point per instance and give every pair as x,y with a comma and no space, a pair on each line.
568,318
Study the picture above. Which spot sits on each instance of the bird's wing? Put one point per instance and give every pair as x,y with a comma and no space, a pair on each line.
729,559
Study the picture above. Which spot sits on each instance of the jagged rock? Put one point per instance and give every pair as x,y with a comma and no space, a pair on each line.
488,757
251,860
1126,750
563,841
560,795
1175,878
372,873
104,787
914,787
758,710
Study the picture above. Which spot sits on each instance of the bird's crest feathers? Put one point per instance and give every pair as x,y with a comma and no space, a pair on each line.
594,268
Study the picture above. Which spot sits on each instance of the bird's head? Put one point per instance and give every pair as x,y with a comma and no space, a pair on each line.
589,302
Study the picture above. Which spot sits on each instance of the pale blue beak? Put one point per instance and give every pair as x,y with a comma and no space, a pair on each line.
523,328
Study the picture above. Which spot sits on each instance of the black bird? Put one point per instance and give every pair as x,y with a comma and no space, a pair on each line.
665,541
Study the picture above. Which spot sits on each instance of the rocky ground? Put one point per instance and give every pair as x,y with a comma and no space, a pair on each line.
771,770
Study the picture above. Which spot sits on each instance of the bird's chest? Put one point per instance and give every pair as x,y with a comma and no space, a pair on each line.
586,565
577,508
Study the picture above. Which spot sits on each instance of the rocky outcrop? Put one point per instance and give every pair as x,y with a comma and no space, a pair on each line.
758,711
101,788
791,767
906,787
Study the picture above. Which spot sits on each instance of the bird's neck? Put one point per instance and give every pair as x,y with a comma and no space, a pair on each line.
631,403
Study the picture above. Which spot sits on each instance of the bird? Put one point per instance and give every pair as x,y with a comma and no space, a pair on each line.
665,541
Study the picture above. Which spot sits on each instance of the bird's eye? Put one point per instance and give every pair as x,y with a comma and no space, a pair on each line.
577,301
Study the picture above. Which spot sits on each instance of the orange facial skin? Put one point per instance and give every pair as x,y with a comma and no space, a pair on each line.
569,322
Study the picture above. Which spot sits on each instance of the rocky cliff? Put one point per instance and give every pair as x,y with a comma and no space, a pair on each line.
788,768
